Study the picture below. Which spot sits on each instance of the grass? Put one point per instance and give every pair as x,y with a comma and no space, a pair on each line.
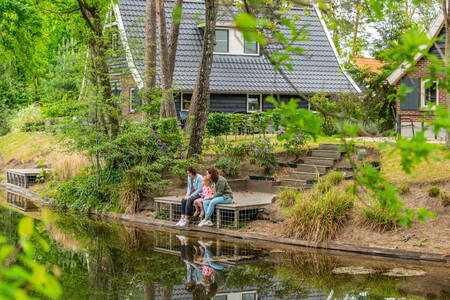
287,197
318,214
377,218
445,198
41,148
403,187
433,191
426,172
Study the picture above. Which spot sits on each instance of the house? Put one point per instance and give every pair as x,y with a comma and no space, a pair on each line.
411,111
367,63
241,77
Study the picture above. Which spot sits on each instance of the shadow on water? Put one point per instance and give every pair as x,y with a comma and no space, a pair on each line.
101,260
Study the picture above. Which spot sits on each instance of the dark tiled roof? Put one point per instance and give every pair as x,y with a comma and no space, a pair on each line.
316,71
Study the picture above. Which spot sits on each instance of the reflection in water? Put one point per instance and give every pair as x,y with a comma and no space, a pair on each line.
109,261
20,202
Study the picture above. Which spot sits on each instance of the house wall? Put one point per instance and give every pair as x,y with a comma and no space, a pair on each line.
412,118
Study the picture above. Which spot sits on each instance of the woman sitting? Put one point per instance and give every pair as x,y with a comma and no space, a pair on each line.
194,187
223,195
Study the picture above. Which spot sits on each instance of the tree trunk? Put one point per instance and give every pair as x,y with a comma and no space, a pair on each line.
167,292
100,66
149,291
355,32
446,9
201,97
174,33
168,109
150,52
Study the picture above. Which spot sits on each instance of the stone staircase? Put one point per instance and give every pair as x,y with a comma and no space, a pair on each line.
319,163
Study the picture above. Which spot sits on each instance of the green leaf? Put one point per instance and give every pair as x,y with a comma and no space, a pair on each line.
25,227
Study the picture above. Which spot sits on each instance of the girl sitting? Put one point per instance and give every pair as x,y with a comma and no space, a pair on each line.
206,194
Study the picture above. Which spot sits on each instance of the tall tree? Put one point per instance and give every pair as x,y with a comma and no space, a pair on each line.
200,102
167,54
150,51
446,10
92,14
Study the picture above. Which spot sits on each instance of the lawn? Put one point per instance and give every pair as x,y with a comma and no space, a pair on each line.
25,145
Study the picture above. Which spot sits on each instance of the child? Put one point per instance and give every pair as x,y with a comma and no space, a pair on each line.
207,193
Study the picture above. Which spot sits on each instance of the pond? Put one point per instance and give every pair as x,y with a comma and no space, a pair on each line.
100,260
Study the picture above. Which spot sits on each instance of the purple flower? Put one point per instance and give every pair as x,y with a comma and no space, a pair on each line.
253,143
300,135
159,141
229,161
265,147
276,143
256,150
297,139
164,144
161,148
281,131
248,144
271,166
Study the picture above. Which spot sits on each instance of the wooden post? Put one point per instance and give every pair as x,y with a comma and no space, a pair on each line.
218,217
171,212
236,218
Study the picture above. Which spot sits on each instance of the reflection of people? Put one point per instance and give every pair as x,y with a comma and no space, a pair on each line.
210,272
193,274
223,195
194,187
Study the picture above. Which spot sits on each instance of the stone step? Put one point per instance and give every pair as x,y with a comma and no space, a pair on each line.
291,182
322,161
298,188
303,175
325,153
312,168
329,146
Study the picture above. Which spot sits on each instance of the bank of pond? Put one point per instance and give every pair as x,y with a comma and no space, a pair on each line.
101,260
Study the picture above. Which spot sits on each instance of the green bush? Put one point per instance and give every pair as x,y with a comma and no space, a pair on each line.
259,122
229,166
293,142
179,168
262,153
26,118
334,177
404,188
218,124
237,151
318,216
379,218
287,197
433,191
445,198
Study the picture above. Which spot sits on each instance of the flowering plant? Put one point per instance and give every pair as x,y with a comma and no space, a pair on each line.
262,152
229,166
294,141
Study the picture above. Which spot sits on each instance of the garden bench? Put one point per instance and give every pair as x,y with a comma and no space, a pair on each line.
244,208
23,177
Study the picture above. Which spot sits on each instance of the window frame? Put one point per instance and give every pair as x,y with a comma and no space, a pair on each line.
252,53
260,103
181,101
132,110
228,40
423,93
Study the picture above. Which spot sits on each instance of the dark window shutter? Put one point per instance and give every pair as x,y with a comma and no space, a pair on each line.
411,100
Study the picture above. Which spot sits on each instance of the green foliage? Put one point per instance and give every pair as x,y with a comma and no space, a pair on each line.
404,188
180,165
21,277
287,197
263,154
258,122
380,218
27,119
433,191
318,216
294,145
237,151
229,166
445,198
218,124
334,177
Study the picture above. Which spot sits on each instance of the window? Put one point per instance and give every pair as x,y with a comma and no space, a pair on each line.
249,296
114,36
253,103
221,36
116,87
135,100
221,297
185,101
251,47
429,93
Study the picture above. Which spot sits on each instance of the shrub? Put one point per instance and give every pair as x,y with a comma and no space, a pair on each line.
228,165
379,218
179,168
237,151
262,152
259,122
293,142
433,191
445,198
334,177
318,216
287,197
218,124
27,119
403,188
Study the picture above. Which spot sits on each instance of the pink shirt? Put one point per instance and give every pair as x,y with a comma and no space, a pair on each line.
207,192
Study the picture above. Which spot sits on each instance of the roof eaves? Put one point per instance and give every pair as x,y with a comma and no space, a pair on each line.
330,40
128,54
436,27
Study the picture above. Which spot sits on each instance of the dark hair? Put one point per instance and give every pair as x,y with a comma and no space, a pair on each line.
212,290
190,286
192,170
214,174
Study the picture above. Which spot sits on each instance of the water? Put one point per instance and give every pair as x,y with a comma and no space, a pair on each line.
100,260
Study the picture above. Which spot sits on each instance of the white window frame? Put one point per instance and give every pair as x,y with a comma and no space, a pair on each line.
260,103
423,83
181,101
228,40
132,111
236,42
257,49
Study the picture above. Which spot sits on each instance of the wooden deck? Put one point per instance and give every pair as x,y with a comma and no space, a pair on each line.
243,208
